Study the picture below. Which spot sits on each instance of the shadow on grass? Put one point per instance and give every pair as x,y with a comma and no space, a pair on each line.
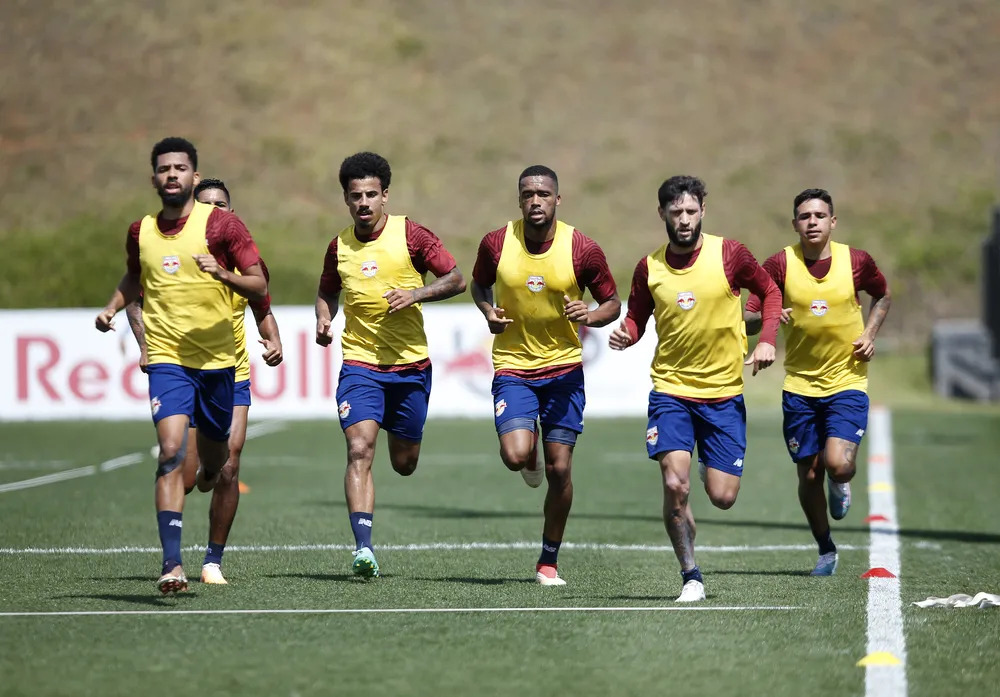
762,572
135,598
906,533
327,577
475,581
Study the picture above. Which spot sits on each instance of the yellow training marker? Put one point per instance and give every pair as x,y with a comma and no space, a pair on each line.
880,487
879,658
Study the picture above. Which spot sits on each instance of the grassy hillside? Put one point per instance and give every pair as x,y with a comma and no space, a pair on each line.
892,106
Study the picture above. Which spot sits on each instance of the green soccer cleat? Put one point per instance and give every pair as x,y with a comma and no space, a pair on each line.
364,564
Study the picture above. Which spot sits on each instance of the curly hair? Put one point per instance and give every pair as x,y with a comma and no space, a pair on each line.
174,144
363,165
675,187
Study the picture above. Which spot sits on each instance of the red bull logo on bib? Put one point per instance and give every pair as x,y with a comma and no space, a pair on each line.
171,264
369,268
819,307
685,300
536,284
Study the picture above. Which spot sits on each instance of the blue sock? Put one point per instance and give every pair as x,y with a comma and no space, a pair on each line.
825,542
213,553
361,526
692,575
170,525
550,551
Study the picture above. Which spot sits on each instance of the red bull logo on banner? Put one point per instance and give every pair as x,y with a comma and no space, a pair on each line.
819,307
685,300
536,284
171,264
369,268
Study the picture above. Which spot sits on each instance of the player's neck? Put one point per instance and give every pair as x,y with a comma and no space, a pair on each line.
177,212
540,234
675,248
815,252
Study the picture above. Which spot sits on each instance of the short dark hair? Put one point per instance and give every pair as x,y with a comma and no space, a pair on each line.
213,184
174,144
362,165
675,187
809,194
539,171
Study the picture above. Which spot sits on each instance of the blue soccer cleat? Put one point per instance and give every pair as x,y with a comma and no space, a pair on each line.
364,564
839,498
826,565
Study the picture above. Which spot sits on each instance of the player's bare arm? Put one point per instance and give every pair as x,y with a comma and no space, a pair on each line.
134,313
754,320
495,316
441,288
605,313
326,310
250,283
270,339
864,346
640,309
127,292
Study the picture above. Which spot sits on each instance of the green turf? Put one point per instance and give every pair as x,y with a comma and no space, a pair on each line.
946,481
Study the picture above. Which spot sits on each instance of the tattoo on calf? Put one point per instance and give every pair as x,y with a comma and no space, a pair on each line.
680,536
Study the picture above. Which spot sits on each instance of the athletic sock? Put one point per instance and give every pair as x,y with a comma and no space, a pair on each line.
550,551
213,553
361,526
825,542
169,523
691,575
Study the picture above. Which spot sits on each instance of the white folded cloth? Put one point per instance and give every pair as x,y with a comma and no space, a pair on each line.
981,600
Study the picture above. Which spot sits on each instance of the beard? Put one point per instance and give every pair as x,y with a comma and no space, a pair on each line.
675,238
175,200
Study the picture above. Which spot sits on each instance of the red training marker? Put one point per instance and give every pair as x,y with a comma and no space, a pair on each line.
878,572
876,518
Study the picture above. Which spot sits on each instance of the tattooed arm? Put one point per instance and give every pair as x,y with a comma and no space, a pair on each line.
134,313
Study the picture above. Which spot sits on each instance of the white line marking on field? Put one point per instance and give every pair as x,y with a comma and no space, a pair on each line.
48,479
885,615
423,547
264,428
406,610
8,464
123,461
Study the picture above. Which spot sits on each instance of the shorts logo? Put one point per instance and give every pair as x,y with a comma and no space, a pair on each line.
171,264
685,300
860,433
738,464
155,404
652,435
819,307
500,407
344,409
536,284
793,446
369,268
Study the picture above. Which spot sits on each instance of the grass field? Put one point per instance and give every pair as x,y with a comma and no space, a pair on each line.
946,484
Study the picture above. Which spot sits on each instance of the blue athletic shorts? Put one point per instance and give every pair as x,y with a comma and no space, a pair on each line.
204,396
809,421
241,394
396,401
719,429
557,402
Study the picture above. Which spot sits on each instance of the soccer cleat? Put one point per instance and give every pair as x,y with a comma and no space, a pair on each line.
839,498
534,473
203,482
692,592
546,575
702,472
212,573
826,565
364,564
172,581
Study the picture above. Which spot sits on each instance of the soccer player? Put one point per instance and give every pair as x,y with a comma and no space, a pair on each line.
540,267
828,347
379,264
691,286
184,261
226,491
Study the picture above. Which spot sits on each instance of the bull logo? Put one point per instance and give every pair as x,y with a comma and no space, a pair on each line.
819,307
171,264
344,409
652,435
536,284
685,300
369,268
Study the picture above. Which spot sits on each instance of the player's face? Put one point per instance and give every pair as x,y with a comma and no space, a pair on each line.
174,178
538,198
683,217
366,199
215,197
814,223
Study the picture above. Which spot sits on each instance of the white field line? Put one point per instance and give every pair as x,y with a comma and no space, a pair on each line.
419,547
255,431
885,615
407,610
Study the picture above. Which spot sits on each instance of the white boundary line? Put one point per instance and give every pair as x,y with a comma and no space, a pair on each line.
405,610
424,547
885,614
256,431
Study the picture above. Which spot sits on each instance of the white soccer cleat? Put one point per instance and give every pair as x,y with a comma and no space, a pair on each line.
546,575
692,592
826,565
212,573
839,498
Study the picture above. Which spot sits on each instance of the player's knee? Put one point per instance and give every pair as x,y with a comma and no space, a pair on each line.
558,473
840,470
230,472
514,459
171,457
360,453
405,465
722,499
676,486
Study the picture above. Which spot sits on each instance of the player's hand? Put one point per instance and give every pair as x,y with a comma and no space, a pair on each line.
498,320
324,332
105,320
399,299
620,338
210,265
864,348
576,310
786,315
272,351
143,359
762,356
